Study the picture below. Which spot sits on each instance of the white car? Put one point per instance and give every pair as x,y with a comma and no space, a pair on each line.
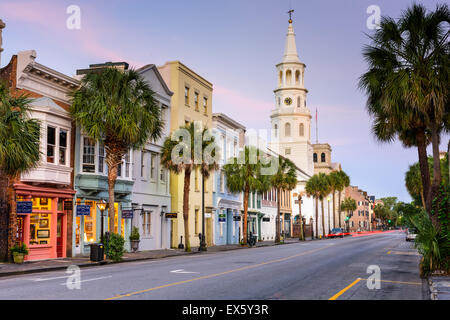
411,234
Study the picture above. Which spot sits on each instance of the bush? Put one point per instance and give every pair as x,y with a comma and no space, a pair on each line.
19,248
135,234
115,247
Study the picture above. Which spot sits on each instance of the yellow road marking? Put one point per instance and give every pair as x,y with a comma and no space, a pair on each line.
410,253
215,274
337,295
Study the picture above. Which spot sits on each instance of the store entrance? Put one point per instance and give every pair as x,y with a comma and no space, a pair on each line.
59,236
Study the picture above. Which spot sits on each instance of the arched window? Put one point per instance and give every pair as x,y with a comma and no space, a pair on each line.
322,157
297,77
298,102
288,77
315,157
279,101
275,128
301,130
280,80
287,129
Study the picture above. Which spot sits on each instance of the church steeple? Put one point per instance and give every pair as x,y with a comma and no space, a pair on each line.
290,48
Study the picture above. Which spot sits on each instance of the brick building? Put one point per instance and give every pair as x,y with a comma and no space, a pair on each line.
360,220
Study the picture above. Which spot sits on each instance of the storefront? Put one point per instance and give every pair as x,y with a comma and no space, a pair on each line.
44,228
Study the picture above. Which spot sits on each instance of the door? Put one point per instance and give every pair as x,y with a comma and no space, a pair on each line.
287,225
59,236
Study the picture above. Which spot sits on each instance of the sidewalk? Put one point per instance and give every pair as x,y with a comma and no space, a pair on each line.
10,269
439,287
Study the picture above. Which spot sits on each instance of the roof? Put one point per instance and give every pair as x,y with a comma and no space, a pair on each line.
158,75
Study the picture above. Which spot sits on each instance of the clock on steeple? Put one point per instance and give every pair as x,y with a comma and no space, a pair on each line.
288,101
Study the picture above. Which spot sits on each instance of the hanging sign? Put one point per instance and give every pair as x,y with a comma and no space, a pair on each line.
222,217
266,219
127,214
24,207
171,215
236,218
83,210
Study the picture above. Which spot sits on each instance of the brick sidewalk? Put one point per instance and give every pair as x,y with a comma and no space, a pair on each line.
9,269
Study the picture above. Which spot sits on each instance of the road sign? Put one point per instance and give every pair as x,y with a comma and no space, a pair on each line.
24,207
83,210
127,214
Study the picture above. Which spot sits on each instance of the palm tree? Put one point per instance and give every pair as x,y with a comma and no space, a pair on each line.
413,183
185,156
334,179
348,204
342,182
19,149
318,187
407,83
284,179
116,108
244,175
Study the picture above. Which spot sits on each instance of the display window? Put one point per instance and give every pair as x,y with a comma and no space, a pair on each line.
90,223
40,228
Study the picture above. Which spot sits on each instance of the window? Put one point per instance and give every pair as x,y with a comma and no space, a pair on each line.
163,175
147,223
222,182
196,100
287,129
142,164
101,157
288,77
288,151
51,141
186,95
205,104
127,164
119,169
322,157
301,130
275,128
196,221
298,102
153,166
297,77
315,157
88,155
235,149
62,146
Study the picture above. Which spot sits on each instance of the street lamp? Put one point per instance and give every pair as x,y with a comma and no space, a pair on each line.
202,240
102,205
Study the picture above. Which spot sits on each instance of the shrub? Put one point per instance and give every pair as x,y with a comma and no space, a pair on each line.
135,234
19,248
115,247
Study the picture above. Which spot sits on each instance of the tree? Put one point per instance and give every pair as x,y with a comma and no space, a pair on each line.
19,149
342,183
118,109
335,181
407,84
284,179
244,174
348,204
181,154
318,187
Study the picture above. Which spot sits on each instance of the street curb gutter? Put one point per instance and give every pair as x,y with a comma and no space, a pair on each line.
93,264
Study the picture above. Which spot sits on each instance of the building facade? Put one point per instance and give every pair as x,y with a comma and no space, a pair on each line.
360,218
191,102
46,225
226,205
151,189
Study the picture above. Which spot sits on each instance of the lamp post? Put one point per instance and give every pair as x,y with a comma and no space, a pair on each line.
102,207
202,241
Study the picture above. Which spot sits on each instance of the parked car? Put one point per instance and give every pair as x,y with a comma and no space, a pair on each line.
411,234
335,232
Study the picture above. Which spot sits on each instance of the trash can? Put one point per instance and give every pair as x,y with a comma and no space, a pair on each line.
97,250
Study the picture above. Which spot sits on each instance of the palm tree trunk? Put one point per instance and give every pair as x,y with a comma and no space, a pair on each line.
323,220
277,223
187,181
437,177
334,209
424,168
340,213
244,231
423,198
317,217
12,230
112,177
300,216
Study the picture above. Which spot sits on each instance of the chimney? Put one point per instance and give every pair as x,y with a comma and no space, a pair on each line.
2,26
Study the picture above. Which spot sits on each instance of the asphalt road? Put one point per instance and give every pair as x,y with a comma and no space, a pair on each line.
333,268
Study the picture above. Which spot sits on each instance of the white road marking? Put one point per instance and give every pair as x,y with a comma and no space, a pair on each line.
182,271
100,278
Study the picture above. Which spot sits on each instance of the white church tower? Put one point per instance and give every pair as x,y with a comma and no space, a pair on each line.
291,118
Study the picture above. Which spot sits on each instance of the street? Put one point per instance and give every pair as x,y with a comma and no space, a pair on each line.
319,270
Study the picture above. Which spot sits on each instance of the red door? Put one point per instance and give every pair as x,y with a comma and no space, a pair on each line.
59,236
20,220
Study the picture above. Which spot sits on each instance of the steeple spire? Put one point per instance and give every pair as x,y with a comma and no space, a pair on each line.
290,49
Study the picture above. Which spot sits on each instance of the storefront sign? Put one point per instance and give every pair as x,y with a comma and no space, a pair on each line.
83,210
236,218
127,214
24,207
222,217
171,215
68,205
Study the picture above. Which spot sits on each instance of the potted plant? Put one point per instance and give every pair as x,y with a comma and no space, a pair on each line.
19,251
134,238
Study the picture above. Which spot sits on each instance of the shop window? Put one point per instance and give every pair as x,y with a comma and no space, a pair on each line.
40,228
62,146
51,141
88,155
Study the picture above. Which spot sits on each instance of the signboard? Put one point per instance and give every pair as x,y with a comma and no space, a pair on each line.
266,219
24,207
236,218
127,214
171,215
83,210
222,217
68,205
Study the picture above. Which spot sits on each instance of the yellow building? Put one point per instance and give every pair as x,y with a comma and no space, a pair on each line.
191,101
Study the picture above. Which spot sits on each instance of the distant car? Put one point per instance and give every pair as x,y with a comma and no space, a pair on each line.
336,232
411,234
